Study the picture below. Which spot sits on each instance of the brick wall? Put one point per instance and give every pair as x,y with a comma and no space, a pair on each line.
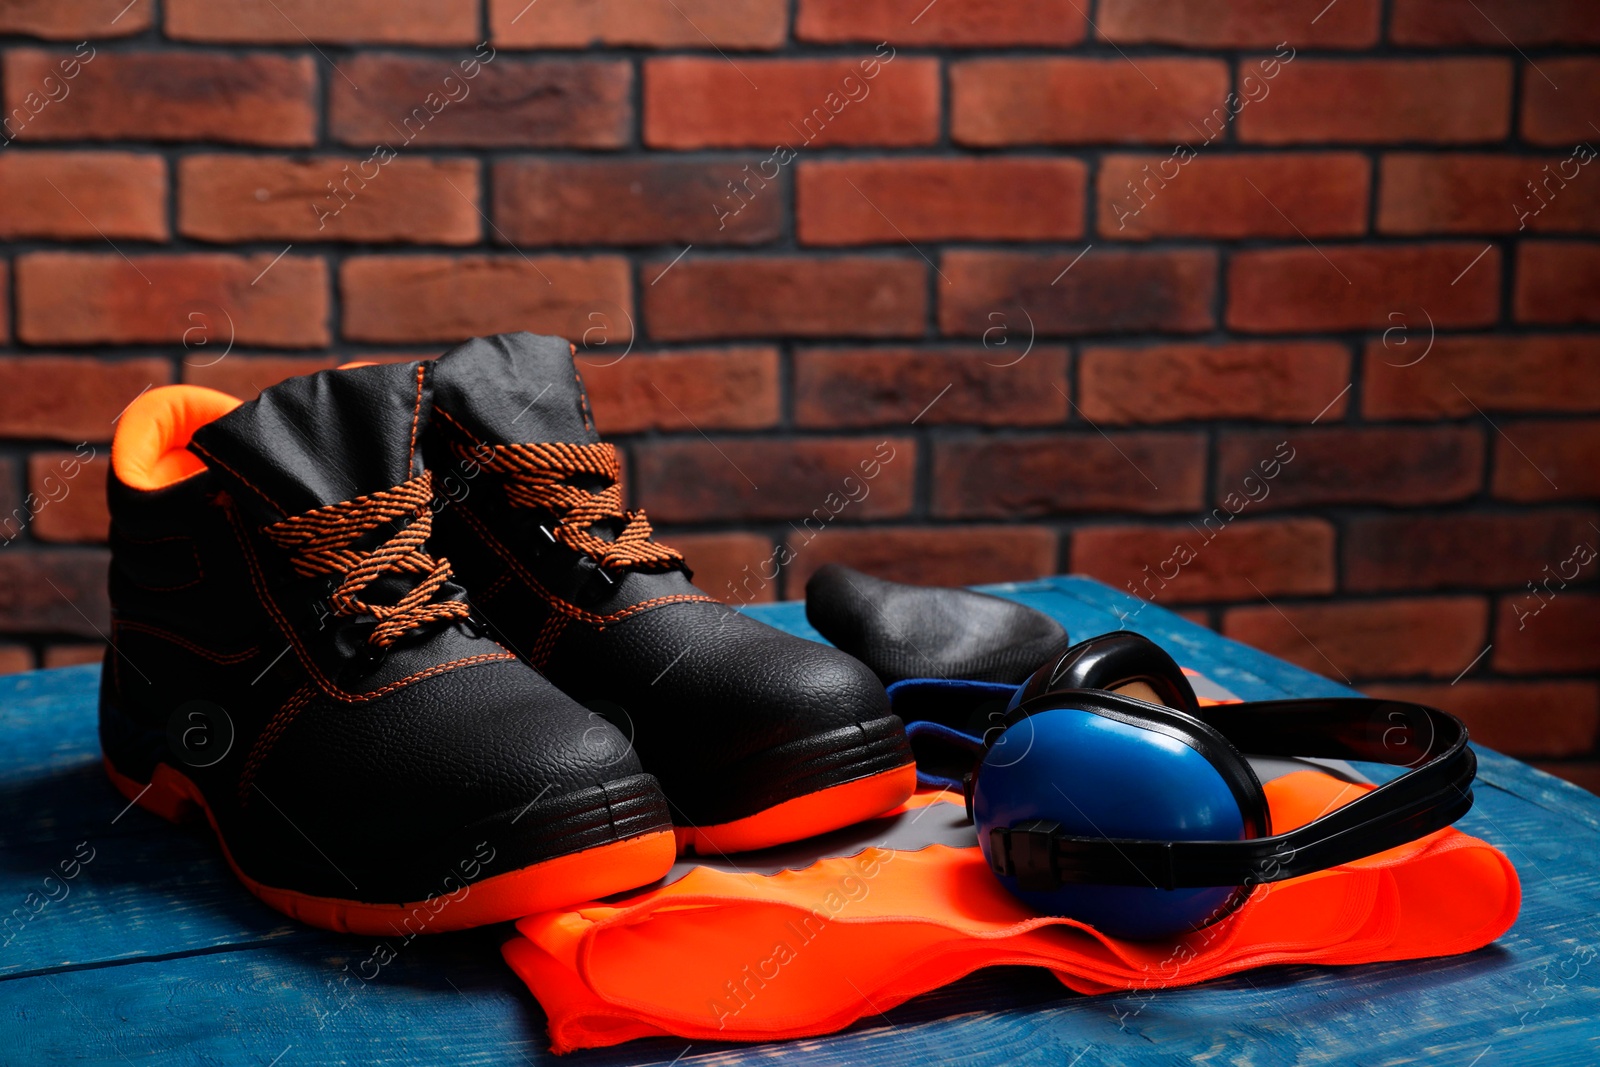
1314,362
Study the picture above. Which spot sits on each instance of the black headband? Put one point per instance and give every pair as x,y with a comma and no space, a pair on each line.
1436,793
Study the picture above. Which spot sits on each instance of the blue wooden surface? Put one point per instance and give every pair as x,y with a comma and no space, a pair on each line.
153,954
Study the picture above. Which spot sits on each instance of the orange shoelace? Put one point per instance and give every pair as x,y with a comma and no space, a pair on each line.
322,541
537,478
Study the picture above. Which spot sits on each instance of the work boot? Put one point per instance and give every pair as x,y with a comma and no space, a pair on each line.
291,657
758,737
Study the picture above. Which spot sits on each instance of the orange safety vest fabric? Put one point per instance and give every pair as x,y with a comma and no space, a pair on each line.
759,955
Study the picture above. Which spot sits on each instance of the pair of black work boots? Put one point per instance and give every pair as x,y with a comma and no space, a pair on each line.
392,631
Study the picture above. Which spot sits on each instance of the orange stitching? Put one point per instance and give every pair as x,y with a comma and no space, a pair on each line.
205,454
497,586
416,413
224,658
269,737
545,643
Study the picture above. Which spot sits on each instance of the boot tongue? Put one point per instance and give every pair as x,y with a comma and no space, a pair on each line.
514,388
322,438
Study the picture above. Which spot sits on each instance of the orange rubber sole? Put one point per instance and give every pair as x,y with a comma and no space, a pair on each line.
553,883
804,816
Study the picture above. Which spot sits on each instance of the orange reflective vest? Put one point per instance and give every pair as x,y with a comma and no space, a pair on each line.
805,939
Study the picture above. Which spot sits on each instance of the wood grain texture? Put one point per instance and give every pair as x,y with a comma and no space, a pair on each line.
153,954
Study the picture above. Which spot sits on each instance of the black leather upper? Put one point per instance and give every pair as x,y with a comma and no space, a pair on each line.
908,631
350,776
725,710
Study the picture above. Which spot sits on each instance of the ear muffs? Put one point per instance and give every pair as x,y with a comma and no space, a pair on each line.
1146,820
1076,758
1116,662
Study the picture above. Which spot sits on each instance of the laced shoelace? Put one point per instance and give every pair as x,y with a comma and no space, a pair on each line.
537,477
323,541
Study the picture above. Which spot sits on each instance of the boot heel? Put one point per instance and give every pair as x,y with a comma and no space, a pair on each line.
167,794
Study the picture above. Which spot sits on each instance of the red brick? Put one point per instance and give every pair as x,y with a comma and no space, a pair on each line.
1521,719
1557,282
1107,292
1472,193
1292,381
1237,23
1540,373
71,398
1382,101
697,389
83,195
739,568
697,24
54,591
1357,288
1494,22
5,301
162,96
72,655
74,20
809,481
853,202
795,296
637,202
245,376
425,22
520,103
1315,195
1558,637
89,298
1562,117
1348,465
874,386
1014,477
408,299
328,198
69,494
971,24
1547,460
1436,637
694,102
1078,101
1216,561
940,555
15,659
1385,553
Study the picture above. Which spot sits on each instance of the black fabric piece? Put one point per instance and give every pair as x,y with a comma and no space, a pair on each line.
908,631
321,438
515,388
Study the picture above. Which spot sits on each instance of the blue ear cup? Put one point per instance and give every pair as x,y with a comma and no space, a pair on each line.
1094,764
1081,760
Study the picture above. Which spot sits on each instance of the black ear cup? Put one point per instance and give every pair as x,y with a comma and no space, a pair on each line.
1111,662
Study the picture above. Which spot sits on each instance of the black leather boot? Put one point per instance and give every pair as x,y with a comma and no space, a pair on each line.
757,737
293,659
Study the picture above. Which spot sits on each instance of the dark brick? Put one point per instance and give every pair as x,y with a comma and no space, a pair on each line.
1105,292
1006,478
1348,465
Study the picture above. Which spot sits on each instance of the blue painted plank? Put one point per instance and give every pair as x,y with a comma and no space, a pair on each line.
154,954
